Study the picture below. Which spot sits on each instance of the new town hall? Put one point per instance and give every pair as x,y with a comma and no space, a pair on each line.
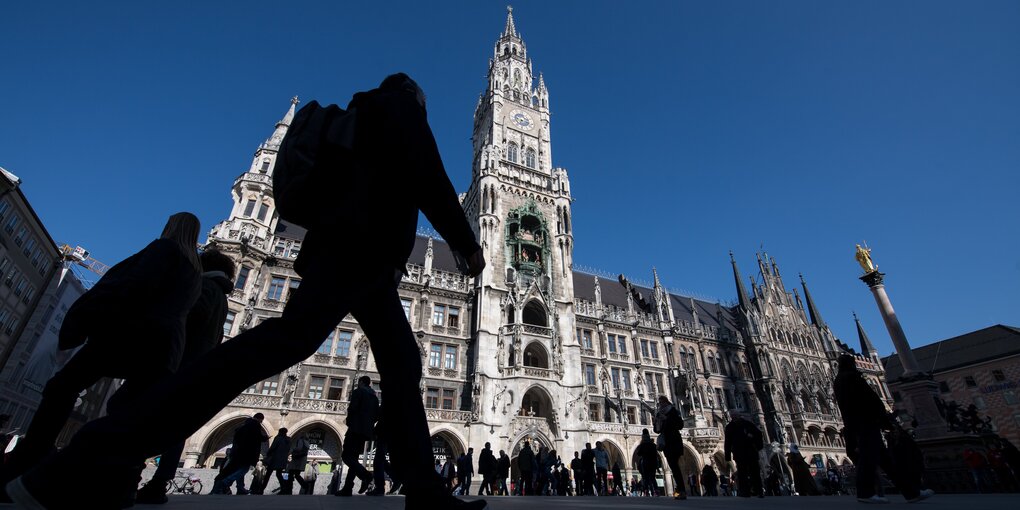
534,349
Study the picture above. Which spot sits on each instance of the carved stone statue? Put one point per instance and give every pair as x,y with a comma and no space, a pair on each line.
863,257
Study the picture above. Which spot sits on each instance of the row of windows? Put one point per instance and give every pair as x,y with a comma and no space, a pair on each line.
319,387
997,375
618,343
440,398
443,356
8,321
442,314
249,209
13,278
513,156
341,340
30,247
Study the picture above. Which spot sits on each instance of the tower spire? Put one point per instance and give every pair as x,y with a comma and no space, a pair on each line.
816,318
273,143
742,298
510,30
866,348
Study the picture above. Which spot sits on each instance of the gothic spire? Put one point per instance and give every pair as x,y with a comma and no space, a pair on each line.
289,116
273,143
510,30
742,298
866,348
816,318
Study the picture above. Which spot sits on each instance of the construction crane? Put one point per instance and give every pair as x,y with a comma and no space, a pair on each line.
80,256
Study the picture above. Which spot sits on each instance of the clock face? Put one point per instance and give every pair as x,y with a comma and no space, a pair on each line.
521,119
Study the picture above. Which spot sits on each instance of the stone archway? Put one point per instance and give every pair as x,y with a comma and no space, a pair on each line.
535,441
324,443
535,355
214,451
446,444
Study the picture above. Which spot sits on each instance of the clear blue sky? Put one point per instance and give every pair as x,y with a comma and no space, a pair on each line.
689,129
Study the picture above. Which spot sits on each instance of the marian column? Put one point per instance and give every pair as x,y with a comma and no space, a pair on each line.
919,391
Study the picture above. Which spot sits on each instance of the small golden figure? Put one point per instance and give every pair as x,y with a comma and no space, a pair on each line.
864,259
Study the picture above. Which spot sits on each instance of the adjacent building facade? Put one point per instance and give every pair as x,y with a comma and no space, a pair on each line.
980,368
532,348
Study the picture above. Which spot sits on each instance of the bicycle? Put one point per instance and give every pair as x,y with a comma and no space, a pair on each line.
190,484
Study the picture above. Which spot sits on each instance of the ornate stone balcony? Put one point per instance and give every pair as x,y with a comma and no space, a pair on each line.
532,329
271,304
319,405
257,400
253,177
588,352
544,373
704,439
448,415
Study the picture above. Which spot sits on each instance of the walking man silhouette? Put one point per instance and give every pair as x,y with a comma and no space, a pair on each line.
399,173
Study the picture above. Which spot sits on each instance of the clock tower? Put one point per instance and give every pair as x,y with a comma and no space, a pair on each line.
528,359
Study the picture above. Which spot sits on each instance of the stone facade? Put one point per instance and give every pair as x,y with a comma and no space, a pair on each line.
534,348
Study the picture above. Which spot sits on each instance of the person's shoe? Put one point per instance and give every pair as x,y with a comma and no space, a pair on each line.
243,492
394,489
152,493
923,495
345,492
873,500
376,492
365,485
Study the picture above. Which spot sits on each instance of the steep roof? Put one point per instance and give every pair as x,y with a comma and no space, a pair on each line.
986,344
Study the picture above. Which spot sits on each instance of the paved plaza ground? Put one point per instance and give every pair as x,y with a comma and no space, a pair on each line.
943,502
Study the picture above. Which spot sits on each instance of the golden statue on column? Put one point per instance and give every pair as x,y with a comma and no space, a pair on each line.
864,259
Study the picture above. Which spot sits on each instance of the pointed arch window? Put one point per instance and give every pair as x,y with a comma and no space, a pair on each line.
511,152
529,158
263,209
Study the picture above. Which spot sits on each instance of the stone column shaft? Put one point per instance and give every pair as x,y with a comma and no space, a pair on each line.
892,323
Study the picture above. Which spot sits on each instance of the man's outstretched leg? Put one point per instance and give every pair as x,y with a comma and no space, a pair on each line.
398,359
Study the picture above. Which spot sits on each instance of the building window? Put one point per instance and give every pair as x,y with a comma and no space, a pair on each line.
435,353
589,374
719,397
4,264
263,210
20,238
645,353
631,414
616,377
406,304
19,289
943,387
327,345
265,166
249,208
336,388
29,246
242,277
438,315
11,276
625,373
649,383
292,286
454,317
4,207
12,223
655,349
450,360
228,325
611,342
585,336
511,152
35,258
729,399
623,343
594,413
276,285
5,315
970,382
659,386
28,294
998,375
343,343
448,397
316,386
270,387
432,398
529,158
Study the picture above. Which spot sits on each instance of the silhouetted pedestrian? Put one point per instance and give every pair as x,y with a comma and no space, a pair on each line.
362,413
710,481
132,325
668,423
648,461
864,417
617,479
743,442
397,172
275,461
526,465
298,458
601,469
487,468
203,332
244,454
465,470
503,472
588,467
802,479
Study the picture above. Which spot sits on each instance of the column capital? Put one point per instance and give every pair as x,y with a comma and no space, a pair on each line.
873,278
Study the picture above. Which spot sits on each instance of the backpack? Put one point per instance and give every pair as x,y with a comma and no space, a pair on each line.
315,152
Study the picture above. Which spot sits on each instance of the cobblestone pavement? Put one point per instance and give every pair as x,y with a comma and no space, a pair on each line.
940,502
